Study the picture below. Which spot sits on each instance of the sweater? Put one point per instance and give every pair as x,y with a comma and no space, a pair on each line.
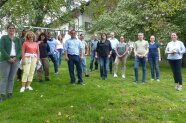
5,48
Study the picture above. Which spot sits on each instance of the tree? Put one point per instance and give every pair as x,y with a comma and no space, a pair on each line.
148,16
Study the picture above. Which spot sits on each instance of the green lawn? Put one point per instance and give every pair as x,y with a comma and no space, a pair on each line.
98,101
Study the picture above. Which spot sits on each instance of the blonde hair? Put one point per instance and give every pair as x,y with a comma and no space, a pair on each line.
30,32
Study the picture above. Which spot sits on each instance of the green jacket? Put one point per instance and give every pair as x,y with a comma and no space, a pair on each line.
5,48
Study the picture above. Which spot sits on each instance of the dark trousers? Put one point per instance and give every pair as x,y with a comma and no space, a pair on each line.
92,61
45,68
154,66
176,70
75,60
112,58
103,66
141,61
53,57
19,74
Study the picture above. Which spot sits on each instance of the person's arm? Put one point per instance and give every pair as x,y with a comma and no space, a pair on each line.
182,48
3,51
167,51
38,53
65,51
147,49
18,52
135,50
81,50
86,47
159,54
110,50
23,54
97,50
126,51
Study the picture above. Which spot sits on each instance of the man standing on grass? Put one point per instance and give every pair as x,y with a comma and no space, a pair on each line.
113,42
141,49
93,46
73,54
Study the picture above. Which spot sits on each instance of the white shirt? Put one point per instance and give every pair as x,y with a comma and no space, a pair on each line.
59,45
177,46
113,42
13,50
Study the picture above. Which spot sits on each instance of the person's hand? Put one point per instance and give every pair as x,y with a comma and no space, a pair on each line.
11,60
81,57
159,59
66,58
96,56
14,59
109,56
23,62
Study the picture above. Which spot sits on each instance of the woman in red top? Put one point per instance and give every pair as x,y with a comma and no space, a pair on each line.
30,58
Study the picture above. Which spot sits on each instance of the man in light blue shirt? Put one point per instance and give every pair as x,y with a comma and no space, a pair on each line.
73,54
53,50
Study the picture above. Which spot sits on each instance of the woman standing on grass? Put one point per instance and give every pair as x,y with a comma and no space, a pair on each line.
44,49
22,39
154,57
103,51
10,52
30,58
60,48
121,52
175,50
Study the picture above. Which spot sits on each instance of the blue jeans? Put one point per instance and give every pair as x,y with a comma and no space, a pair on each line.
176,70
141,61
75,60
112,58
84,65
154,66
7,74
60,56
103,66
92,61
53,57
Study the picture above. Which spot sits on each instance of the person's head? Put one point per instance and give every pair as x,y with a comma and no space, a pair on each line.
50,35
23,33
42,37
95,36
81,37
30,36
112,34
140,36
11,29
152,38
104,36
174,36
73,33
60,37
122,38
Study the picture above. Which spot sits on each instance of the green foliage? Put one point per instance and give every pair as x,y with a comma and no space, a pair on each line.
31,12
148,16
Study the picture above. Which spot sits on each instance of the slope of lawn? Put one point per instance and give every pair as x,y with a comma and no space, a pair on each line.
98,101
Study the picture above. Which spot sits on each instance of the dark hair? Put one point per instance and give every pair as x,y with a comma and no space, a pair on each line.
9,25
23,34
81,35
43,34
103,34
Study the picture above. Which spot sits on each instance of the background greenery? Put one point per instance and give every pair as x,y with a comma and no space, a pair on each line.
98,101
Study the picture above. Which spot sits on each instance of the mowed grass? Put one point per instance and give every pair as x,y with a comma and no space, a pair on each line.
115,100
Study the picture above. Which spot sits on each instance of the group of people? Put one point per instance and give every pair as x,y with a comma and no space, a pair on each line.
31,53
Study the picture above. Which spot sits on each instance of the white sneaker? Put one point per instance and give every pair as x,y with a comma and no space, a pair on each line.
115,75
176,87
152,79
157,80
179,88
29,88
22,89
123,76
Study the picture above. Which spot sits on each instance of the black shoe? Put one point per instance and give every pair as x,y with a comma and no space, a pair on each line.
47,79
86,75
3,97
9,95
40,80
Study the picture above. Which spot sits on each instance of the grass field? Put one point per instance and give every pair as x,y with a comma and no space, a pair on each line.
115,100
